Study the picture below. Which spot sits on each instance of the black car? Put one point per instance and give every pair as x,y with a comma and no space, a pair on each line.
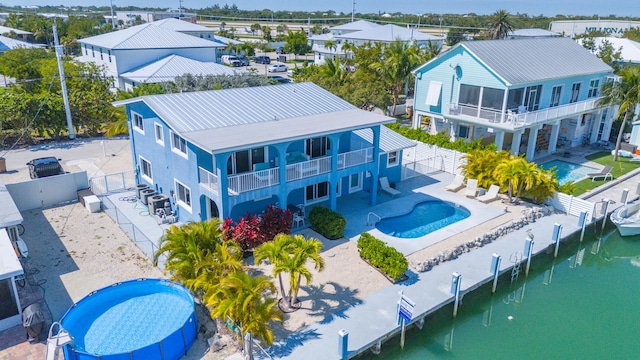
243,61
43,167
262,59
280,50
280,79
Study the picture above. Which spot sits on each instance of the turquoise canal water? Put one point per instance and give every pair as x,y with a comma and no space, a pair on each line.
583,305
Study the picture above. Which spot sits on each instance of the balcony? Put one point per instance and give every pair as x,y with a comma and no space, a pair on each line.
208,182
355,158
309,168
512,120
253,180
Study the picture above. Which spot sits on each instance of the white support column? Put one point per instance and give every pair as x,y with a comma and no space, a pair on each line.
515,144
553,139
499,139
453,131
531,144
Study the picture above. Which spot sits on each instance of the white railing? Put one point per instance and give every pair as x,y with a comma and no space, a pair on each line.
107,184
525,118
354,158
253,180
309,168
209,180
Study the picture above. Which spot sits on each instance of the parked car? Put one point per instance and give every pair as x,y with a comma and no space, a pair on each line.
243,61
231,60
43,167
280,79
277,68
280,50
263,59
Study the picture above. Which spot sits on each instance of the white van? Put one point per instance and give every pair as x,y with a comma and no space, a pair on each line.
231,60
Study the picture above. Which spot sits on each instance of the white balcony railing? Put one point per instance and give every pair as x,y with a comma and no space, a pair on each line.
526,118
253,180
209,180
309,168
354,158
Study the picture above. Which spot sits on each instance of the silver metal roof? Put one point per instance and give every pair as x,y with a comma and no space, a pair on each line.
226,119
9,213
172,66
7,43
389,139
521,61
532,33
148,36
389,33
629,49
6,29
356,26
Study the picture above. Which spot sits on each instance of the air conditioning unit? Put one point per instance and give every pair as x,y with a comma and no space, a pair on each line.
139,188
145,194
158,201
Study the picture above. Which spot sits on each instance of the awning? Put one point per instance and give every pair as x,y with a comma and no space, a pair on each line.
9,264
433,94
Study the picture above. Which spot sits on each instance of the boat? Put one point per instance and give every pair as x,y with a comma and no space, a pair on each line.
627,219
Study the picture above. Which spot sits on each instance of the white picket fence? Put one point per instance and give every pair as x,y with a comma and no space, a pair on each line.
572,205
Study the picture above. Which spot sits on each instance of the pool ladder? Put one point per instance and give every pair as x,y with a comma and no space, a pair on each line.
377,218
55,342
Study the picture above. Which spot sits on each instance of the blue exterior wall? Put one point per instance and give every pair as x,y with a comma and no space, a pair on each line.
169,166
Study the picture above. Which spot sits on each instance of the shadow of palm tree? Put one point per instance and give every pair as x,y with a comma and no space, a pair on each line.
285,346
328,305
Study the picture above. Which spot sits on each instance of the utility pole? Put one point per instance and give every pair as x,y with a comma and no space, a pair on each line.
180,8
63,82
353,10
113,20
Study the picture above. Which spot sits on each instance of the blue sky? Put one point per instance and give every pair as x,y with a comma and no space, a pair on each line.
530,7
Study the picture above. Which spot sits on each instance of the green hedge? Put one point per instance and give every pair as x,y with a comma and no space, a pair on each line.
441,139
327,222
389,260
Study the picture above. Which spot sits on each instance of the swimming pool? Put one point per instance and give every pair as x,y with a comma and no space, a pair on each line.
568,172
136,319
426,217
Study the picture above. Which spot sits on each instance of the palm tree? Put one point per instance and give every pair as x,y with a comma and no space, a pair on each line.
625,94
275,252
500,25
331,45
224,259
516,173
248,303
481,164
303,251
333,69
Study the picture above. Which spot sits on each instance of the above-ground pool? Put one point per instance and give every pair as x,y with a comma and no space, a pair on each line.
426,217
568,172
136,319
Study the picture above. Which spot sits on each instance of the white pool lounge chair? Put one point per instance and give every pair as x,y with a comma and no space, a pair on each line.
472,188
384,186
491,195
604,173
456,184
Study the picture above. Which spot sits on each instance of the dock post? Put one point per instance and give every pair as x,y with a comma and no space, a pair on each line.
495,270
582,222
557,229
528,250
343,344
625,196
456,280
605,208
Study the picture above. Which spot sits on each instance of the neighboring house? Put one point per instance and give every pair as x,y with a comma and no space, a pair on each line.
531,33
572,28
193,29
629,49
128,17
7,44
223,153
125,50
170,67
22,35
361,32
525,95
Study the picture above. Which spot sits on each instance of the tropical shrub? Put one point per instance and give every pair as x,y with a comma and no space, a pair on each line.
389,260
251,231
481,165
441,139
275,221
327,222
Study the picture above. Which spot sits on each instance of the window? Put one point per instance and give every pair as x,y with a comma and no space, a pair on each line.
109,51
101,58
145,169
317,192
93,54
492,98
178,144
575,92
137,121
514,98
183,195
243,161
317,147
593,88
532,97
86,51
392,159
469,95
463,131
555,96
159,134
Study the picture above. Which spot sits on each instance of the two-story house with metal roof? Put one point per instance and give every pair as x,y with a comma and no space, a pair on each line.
227,152
130,49
526,95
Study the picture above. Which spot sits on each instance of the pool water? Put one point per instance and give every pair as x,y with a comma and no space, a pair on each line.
425,218
568,172
581,305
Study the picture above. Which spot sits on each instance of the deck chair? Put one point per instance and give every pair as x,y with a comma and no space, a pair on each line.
604,173
456,184
472,188
491,195
384,186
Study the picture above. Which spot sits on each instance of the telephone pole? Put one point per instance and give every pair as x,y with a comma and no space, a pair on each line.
353,10
63,82
113,20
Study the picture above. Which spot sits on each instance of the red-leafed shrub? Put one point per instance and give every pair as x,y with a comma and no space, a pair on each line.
276,221
251,231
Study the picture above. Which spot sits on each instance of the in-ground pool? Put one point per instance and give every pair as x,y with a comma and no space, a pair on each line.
136,319
426,217
568,172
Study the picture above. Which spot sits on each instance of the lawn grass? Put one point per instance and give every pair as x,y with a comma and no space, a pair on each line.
620,167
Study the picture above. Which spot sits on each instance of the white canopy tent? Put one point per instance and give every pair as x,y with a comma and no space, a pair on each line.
10,266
